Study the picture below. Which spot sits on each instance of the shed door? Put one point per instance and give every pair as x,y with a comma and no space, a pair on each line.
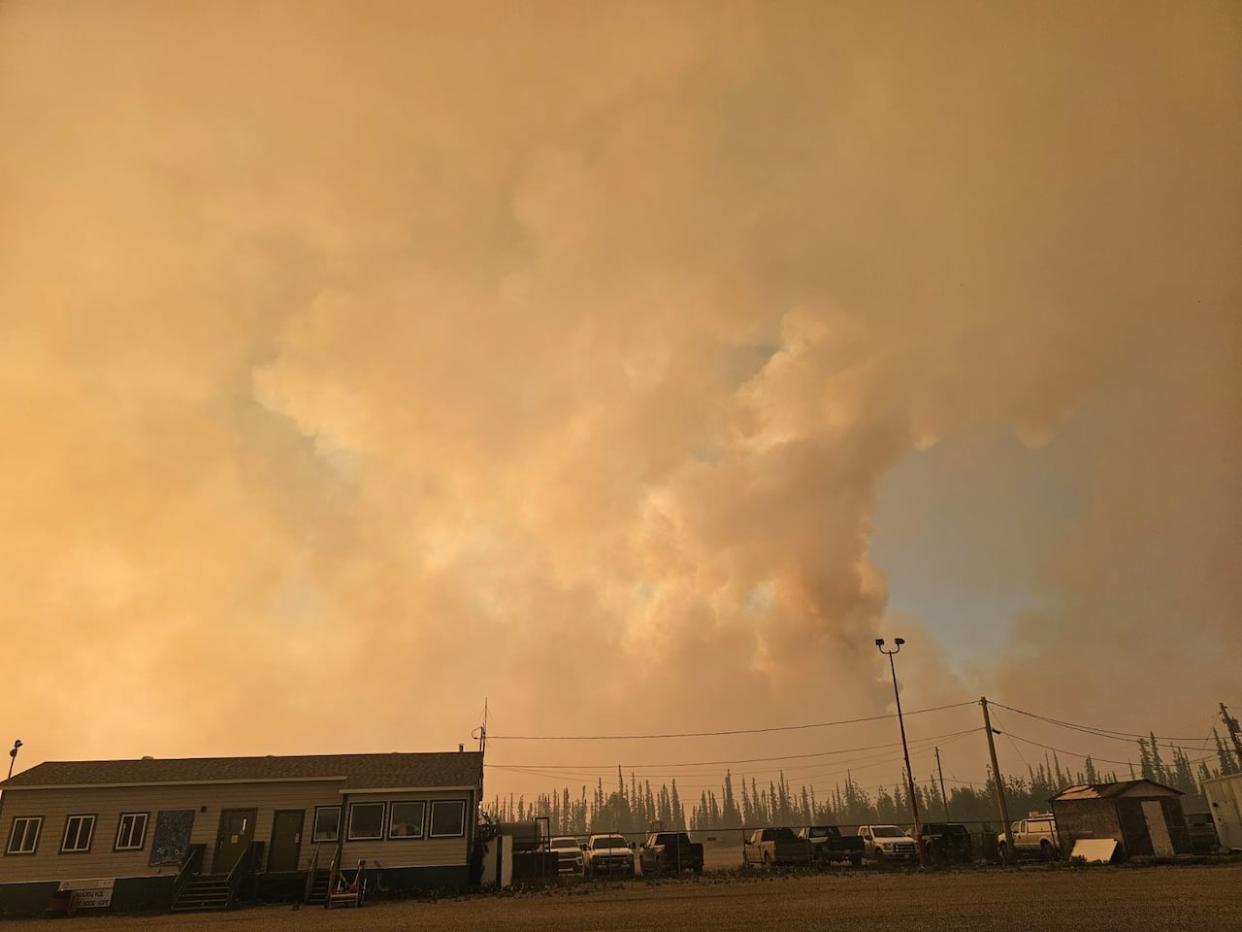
1157,828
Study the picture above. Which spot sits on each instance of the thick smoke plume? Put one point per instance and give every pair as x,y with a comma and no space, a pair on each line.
360,362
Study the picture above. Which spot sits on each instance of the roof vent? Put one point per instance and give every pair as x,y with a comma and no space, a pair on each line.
147,757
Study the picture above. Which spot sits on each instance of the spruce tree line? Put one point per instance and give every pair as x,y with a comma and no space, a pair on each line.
636,807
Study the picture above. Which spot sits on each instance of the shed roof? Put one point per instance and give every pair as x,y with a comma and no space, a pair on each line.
1130,788
352,771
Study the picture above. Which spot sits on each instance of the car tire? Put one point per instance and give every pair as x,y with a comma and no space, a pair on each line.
856,860
1045,849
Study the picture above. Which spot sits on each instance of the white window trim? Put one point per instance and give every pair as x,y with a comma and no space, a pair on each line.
90,834
349,828
142,836
422,825
315,839
38,821
431,821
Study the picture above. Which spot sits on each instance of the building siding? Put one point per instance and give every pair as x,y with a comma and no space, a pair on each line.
207,801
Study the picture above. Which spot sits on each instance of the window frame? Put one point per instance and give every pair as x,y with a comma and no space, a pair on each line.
38,836
336,836
431,819
422,822
90,838
349,826
142,839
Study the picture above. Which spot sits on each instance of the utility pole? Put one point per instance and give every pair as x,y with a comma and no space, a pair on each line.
943,797
905,750
483,729
997,782
1235,731
17,747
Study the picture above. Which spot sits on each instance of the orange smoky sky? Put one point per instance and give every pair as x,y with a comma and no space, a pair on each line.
361,361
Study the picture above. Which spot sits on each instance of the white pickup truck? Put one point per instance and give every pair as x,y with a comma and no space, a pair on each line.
888,843
607,854
1034,835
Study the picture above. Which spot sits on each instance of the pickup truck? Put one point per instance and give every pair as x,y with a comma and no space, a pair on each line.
828,844
607,854
1036,834
568,854
670,852
775,847
888,843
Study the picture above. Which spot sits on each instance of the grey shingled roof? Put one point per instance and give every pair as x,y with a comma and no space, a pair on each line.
386,771
1108,790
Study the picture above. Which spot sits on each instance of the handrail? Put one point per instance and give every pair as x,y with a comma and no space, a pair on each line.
189,866
311,871
333,874
241,870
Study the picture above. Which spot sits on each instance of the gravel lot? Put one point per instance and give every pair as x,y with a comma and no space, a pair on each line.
1157,898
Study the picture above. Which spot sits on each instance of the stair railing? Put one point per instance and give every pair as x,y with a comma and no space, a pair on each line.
190,866
310,876
241,871
333,874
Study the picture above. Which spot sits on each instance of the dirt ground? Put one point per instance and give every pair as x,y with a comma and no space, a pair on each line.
1157,898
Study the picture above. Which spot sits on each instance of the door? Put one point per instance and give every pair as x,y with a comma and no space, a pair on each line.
236,833
1157,828
286,840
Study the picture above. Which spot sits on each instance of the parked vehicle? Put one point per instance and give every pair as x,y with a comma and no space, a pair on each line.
670,852
828,844
1202,831
606,855
946,842
887,843
568,851
1034,835
775,847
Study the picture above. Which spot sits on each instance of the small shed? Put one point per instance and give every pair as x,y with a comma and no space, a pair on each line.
1144,817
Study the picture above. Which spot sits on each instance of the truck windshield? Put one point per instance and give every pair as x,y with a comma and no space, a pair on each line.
825,831
609,841
887,831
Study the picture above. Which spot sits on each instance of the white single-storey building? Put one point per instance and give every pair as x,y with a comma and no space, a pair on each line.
150,834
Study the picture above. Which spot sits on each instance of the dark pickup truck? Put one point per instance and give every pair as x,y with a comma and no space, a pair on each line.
946,842
670,853
828,844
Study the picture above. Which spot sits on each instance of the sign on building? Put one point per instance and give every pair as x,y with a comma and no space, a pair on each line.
89,894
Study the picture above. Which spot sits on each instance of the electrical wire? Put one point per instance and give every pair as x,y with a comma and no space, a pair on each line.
740,760
1092,729
730,732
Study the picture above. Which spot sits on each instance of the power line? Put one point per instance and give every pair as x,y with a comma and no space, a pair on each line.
722,734
1091,729
715,763
1127,763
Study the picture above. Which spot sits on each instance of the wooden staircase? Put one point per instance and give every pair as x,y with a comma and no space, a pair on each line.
204,893
317,889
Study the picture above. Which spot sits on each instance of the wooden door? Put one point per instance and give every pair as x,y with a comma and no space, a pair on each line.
286,840
1157,828
235,835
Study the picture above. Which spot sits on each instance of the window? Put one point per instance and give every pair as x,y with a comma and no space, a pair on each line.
24,838
405,820
79,830
448,818
327,823
131,834
366,821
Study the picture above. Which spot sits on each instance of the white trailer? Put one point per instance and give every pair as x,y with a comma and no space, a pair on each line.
1224,798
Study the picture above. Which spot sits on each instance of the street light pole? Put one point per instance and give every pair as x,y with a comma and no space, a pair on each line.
13,755
905,750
